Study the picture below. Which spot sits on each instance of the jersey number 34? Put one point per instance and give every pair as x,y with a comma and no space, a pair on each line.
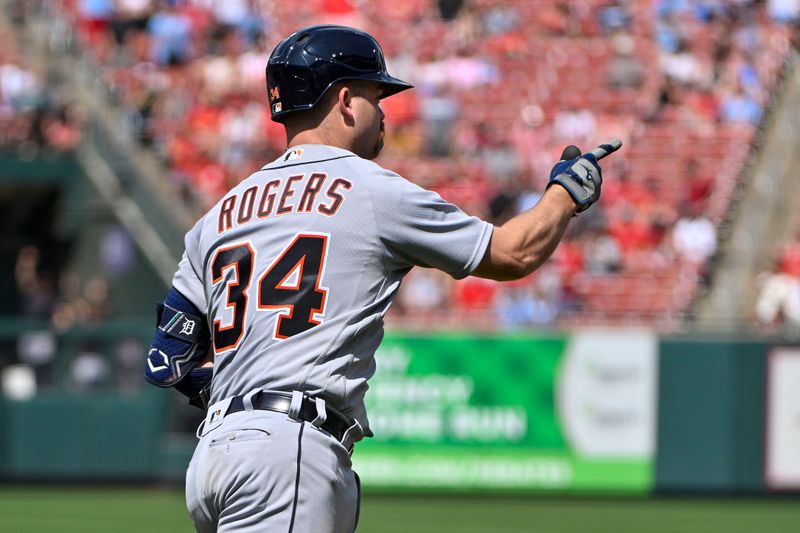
290,285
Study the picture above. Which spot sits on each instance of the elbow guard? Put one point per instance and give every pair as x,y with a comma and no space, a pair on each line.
181,341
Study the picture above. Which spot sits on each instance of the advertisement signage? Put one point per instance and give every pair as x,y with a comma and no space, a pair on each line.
538,413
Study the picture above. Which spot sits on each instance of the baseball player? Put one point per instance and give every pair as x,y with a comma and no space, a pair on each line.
276,309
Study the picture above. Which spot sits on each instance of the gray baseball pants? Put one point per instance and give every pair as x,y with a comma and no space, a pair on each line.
261,471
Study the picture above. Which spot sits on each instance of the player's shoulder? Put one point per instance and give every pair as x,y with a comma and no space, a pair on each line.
373,176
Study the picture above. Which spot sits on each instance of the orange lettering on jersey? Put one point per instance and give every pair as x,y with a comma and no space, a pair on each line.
267,199
226,214
332,193
246,207
288,192
270,202
314,185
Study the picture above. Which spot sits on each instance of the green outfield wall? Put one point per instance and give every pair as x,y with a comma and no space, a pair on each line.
711,428
586,412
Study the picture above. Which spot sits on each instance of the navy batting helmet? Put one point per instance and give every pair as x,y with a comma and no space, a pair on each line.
305,65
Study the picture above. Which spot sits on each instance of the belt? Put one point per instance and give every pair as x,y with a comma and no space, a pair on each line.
336,423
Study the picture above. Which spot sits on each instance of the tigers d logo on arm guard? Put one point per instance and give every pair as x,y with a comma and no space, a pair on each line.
181,341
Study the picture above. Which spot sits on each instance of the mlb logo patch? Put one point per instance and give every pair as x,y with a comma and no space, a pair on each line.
276,108
215,416
294,154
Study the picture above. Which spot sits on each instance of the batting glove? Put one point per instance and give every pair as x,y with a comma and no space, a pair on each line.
581,177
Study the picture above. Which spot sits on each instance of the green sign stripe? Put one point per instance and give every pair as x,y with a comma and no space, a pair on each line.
509,469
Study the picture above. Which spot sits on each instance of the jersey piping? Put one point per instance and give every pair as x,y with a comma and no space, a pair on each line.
305,162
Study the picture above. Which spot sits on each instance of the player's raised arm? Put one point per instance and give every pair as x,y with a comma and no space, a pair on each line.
522,244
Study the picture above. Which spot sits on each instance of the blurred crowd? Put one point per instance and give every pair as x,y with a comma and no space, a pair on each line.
35,111
501,88
61,299
74,313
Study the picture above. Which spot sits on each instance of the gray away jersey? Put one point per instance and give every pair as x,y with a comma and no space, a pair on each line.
297,265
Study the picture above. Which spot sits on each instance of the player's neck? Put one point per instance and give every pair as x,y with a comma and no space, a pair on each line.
322,134
306,137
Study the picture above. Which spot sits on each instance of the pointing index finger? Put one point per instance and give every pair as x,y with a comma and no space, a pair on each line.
606,148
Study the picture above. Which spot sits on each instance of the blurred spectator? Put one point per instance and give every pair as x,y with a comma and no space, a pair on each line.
89,371
575,124
96,294
37,348
449,9
117,251
525,306
438,112
35,290
95,16
784,10
500,160
631,229
466,23
128,358
20,88
562,17
738,106
474,295
602,254
694,236
614,16
778,301
499,19
625,70
130,15
700,183
702,106
424,294
462,72
667,31
171,33
78,305
684,67
240,15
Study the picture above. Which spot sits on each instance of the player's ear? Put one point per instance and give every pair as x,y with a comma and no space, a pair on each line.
344,103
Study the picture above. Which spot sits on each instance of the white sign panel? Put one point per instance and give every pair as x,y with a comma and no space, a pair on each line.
783,419
607,393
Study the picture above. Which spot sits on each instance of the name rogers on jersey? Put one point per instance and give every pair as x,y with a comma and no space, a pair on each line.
270,199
